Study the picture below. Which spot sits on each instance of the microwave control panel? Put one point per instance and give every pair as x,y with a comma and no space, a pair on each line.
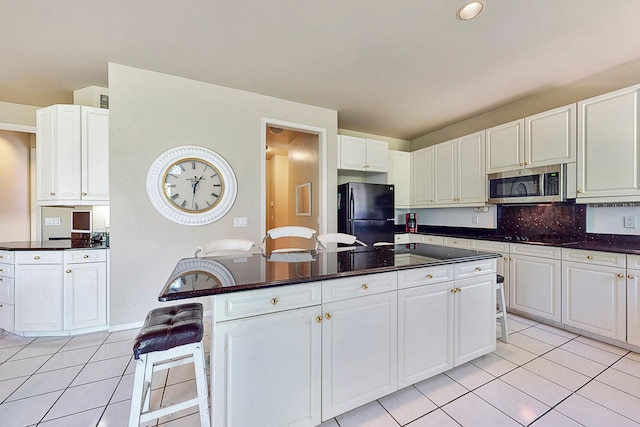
552,184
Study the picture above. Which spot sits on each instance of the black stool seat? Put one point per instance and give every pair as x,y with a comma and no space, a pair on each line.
169,327
499,278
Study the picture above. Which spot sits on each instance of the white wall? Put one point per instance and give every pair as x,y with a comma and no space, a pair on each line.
610,220
14,186
452,217
152,112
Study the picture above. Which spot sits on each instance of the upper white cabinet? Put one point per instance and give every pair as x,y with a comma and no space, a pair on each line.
609,147
72,155
546,138
399,174
360,154
459,171
422,188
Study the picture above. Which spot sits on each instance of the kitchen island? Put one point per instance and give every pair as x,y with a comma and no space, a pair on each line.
298,338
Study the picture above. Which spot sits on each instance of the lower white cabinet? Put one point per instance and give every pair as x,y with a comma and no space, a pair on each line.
633,301
267,369
7,291
85,295
535,281
359,352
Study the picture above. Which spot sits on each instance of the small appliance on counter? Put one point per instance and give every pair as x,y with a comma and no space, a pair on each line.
411,223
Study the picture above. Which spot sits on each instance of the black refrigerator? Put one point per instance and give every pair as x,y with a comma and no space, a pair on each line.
366,211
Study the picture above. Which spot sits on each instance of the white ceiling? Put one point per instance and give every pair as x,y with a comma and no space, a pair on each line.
391,68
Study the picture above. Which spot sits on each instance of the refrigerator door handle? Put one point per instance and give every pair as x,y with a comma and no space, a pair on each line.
351,205
390,219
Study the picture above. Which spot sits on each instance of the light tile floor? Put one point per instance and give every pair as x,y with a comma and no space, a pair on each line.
543,377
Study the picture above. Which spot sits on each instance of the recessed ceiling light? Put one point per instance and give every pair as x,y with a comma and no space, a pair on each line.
275,131
470,10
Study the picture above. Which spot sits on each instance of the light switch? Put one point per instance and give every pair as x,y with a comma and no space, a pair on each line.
51,221
240,222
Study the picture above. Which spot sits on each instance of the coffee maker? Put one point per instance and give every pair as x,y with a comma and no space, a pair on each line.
411,223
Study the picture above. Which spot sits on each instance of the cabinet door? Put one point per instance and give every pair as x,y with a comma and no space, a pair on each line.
445,172
505,145
377,156
633,307
475,318
425,332
471,174
39,297
85,295
608,145
594,299
550,137
399,175
359,352
58,146
534,286
353,153
95,154
267,370
422,177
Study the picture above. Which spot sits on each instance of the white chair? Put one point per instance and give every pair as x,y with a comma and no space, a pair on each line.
225,247
383,244
290,231
501,314
338,238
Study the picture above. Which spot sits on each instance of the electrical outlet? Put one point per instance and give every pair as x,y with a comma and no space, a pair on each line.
474,219
630,221
240,222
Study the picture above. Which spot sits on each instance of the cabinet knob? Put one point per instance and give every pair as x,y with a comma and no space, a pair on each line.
526,163
318,319
521,164
84,194
454,290
52,194
589,257
1,269
478,269
1,305
36,257
0,279
365,286
274,301
620,275
68,271
327,316
630,276
86,256
429,276
578,191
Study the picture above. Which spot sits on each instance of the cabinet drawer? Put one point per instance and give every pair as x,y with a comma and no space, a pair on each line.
262,301
431,240
490,246
7,317
475,268
401,238
594,257
424,276
95,255
6,256
39,257
6,270
535,250
6,290
633,262
456,242
351,287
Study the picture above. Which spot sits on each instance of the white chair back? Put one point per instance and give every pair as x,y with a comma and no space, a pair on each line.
290,231
347,239
226,247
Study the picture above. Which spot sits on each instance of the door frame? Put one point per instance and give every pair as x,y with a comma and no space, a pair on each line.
322,160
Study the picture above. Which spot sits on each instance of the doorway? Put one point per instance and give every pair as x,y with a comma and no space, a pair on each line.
294,171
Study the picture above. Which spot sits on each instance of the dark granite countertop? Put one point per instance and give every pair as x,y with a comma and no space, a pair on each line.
197,277
51,245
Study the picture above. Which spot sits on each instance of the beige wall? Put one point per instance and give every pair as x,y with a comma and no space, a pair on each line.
616,78
18,114
152,112
394,143
14,186
303,168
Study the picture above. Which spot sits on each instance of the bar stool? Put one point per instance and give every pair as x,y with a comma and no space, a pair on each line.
170,337
501,314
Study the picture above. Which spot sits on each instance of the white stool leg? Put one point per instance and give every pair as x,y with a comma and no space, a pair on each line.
502,313
138,390
201,385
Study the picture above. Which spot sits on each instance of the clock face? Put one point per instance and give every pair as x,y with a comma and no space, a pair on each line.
193,185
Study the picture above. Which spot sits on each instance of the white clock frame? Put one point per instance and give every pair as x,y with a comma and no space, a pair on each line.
165,208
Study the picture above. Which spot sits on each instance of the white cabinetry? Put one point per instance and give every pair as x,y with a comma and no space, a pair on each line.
362,154
422,185
505,147
460,315
85,289
594,292
359,342
633,299
7,317
267,357
399,174
459,171
502,264
608,147
535,280
72,155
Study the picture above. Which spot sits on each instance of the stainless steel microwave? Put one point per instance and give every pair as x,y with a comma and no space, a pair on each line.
533,185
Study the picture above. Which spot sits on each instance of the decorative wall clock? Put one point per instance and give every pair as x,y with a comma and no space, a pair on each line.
191,185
